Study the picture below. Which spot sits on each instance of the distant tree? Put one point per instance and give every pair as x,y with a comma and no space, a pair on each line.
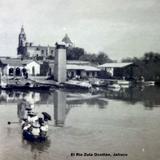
151,57
89,57
98,59
74,53
148,56
129,59
103,58
147,66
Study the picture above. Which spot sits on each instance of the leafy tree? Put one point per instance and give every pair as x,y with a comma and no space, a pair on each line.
129,59
147,66
89,57
74,53
103,58
98,59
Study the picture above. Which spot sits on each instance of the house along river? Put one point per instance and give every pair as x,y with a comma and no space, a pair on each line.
108,124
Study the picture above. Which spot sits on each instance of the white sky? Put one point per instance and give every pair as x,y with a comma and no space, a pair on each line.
121,28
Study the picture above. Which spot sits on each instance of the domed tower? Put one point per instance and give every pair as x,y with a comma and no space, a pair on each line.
67,41
21,43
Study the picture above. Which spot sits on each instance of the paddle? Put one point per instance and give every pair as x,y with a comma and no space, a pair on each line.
12,122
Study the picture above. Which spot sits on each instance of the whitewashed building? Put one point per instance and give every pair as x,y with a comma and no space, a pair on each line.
11,67
117,69
74,68
83,71
33,68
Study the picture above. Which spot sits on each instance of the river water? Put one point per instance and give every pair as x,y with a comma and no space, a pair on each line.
124,122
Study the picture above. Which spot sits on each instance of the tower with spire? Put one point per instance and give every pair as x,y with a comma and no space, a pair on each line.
21,42
22,38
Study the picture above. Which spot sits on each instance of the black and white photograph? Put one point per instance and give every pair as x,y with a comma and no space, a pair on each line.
79,80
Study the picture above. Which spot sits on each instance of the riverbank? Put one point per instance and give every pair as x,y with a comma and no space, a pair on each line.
42,82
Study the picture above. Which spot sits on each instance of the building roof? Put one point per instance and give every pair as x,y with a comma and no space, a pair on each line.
15,62
71,62
78,62
77,65
81,67
39,46
114,65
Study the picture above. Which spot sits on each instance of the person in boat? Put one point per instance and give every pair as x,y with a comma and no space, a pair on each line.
31,118
38,127
43,127
35,129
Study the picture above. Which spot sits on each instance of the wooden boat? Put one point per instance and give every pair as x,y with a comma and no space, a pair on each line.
34,128
30,137
98,82
149,83
124,83
114,86
74,84
146,83
25,86
37,86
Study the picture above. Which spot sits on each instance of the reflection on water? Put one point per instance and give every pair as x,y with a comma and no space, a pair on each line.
82,122
59,107
22,105
149,96
36,148
13,96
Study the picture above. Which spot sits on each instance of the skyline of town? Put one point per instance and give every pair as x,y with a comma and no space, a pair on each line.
119,30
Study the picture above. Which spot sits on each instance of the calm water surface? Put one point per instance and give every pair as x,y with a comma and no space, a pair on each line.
125,121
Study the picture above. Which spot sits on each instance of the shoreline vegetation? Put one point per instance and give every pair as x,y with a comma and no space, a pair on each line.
147,66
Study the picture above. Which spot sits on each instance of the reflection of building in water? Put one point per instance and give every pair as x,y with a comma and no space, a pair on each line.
59,107
13,96
33,97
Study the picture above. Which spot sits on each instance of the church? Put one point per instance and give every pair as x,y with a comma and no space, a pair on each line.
28,50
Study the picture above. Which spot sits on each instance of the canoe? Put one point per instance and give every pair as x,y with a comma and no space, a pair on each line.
73,84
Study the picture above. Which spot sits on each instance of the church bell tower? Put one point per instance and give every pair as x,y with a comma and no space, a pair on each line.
22,38
21,43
